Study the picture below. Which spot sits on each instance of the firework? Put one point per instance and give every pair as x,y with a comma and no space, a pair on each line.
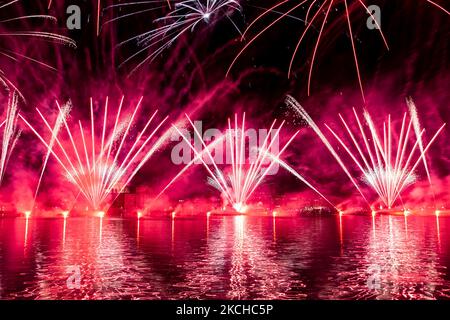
387,167
12,54
315,10
61,118
239,183
10,133
97,14
184,17
243,179
106,163
439,6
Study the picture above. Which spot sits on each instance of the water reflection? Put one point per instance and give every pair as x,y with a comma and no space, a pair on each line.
237,271
64,231
400,260
438,232
240,257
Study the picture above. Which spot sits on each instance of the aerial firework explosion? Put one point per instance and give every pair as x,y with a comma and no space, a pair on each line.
386,166
316,11
99,165
184,17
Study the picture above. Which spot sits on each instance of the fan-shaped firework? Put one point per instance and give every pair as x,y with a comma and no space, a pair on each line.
386,166
9,31
313,15
10,133
99,165
184,17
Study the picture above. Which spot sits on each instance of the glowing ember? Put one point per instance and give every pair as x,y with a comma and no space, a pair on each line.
65,214
103,164
386,166
27,214
10,36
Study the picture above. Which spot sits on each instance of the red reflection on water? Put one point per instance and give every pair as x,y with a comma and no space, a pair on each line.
236,257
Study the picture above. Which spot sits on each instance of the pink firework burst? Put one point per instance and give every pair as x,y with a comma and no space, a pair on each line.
388,167
100,161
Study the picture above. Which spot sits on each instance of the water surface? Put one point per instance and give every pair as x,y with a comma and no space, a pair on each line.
351,257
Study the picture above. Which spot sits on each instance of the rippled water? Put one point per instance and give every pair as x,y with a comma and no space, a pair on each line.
239,257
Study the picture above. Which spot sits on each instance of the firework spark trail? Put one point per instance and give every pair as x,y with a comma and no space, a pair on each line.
26,34
439,6
238,186
308,26
159,144
386,167
291,102
308,23
184,17
301,178
181,123
416,124
99,9
392,180
60,119
200,154
10,133
105,167
121,5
